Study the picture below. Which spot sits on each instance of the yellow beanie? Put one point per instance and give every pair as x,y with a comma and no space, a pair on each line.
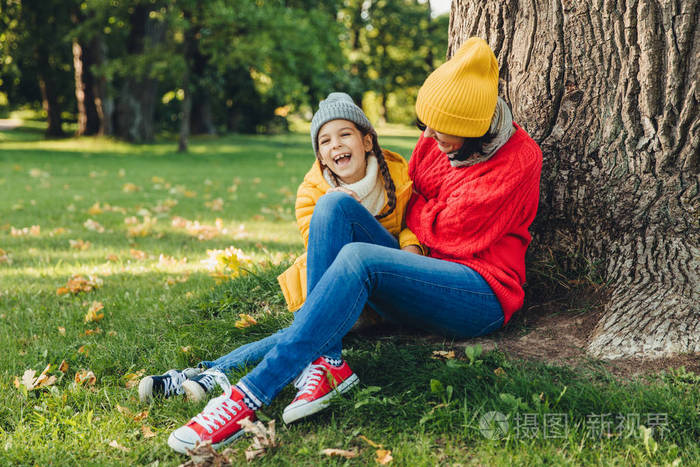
459,97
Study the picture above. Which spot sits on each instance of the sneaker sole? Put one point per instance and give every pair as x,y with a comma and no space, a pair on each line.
146,389
181,446
193,390
319,404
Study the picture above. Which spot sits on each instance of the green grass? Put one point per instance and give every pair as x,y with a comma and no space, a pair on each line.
426,411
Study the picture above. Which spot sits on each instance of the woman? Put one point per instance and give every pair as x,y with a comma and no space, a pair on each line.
476,190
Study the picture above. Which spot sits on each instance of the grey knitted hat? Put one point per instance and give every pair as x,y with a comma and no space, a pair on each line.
337,106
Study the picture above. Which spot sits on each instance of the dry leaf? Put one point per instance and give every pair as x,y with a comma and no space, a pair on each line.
132,379
85,377
30,382
129,414
83,349
443,354
245,321
147,432
137,254
185,349
63,367
95,209
116,445
130,188
94,226
62,330
499,371
90,332
113,258
383,456
78,283
340,453
79,244
263,438
204,454
5,257
93,314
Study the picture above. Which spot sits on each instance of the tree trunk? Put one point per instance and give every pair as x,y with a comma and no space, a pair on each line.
610,92
88,116
49,98
104,102
137,98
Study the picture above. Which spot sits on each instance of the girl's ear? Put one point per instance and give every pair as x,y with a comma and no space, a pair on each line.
367,141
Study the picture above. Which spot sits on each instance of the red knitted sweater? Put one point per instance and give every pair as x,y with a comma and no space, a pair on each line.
479,215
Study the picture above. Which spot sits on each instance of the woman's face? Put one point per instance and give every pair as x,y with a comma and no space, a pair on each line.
342,149
446,143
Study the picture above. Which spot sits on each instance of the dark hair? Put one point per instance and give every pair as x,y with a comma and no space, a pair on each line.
383,167
470,146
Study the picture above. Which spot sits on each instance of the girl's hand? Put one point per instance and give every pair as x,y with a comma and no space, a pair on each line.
342,189
412,249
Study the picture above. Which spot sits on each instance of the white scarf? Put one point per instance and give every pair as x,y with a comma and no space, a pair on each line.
370,189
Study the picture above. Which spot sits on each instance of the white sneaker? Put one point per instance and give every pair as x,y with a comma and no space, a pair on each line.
165,385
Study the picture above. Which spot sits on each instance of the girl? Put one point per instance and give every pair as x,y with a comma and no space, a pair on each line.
348,160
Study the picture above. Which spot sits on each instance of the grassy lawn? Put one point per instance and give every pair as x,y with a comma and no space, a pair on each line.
150,215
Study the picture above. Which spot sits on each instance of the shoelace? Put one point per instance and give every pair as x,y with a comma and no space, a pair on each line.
309,379
172,382
219,410
207,379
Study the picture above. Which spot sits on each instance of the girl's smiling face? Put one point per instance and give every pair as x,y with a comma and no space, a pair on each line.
342,148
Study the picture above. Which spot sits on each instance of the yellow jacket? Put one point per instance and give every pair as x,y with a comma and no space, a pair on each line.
293,280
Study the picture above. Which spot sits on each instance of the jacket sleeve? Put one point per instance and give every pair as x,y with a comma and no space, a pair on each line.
307,196
407,237
470,218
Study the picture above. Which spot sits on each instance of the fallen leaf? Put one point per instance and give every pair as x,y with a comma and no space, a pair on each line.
94,226
32,231
95,209
245,321
215,205
83,349
63,367
129,414
137,254
5,257
147,432
443,354
204,455
78,283
30,382
79,244
62,330
93,314
185,349
116,445
85,377
340,453
499,371
263,438
90,332
130,188
132,379
383,456
113,258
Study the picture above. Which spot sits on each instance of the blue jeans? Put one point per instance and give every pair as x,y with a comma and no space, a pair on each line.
352,260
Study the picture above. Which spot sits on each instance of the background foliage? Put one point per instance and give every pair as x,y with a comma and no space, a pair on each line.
133,69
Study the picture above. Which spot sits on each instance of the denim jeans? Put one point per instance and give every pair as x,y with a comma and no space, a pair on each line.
353,260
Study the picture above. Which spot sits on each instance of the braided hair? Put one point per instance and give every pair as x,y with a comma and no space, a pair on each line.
383,167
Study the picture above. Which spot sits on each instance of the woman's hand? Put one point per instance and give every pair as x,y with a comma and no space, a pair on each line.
342,189
413,249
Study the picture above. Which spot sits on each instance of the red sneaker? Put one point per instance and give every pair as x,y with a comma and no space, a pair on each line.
218,422
318,384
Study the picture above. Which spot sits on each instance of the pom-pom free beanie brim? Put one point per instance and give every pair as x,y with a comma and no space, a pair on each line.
337,106
459,97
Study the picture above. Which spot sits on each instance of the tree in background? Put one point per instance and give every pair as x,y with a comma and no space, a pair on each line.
610,92
34,46
195,66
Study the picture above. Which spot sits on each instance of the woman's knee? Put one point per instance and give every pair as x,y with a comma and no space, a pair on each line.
357,258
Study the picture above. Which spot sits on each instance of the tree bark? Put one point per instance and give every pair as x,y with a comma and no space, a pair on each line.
137,98
52,107
88,116
609,90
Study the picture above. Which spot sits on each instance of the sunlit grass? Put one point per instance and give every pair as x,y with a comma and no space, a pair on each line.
163,310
